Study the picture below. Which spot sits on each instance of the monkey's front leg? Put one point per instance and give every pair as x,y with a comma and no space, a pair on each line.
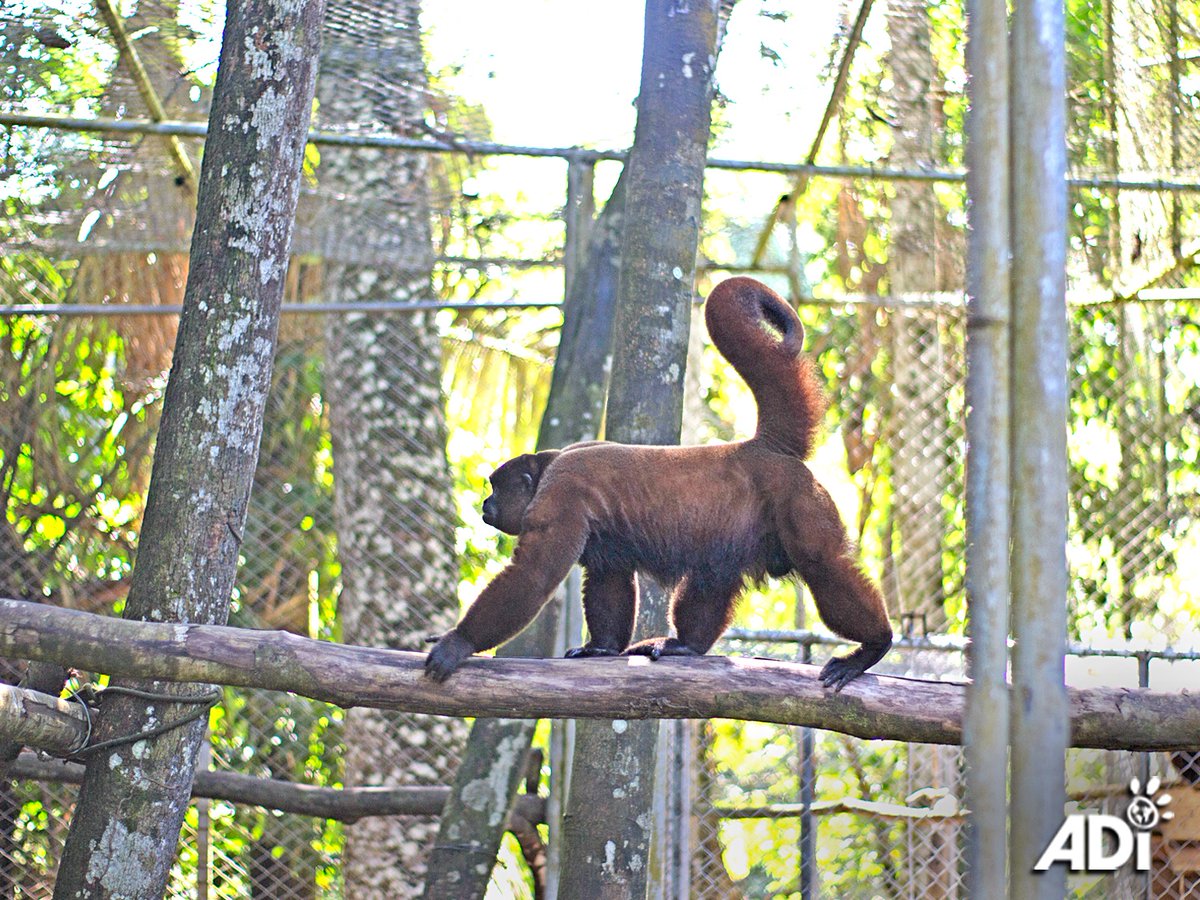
544,556
447,655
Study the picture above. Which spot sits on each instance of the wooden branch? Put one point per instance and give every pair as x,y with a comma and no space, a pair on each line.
871,809
32,719
342,804
45,678
874,706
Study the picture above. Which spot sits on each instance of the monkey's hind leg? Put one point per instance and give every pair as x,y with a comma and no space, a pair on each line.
609,606
852,606
700,611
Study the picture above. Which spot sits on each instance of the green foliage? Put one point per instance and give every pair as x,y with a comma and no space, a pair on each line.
1135,468
57,55
73,471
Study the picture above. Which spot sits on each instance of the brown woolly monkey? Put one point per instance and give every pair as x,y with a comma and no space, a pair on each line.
704,519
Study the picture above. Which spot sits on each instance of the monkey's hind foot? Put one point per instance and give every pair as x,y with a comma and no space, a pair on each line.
589,650
841,670
660,646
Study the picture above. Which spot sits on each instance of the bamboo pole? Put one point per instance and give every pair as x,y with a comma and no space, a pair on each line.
145,86
832,107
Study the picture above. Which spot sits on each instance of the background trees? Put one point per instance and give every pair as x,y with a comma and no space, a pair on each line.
876,263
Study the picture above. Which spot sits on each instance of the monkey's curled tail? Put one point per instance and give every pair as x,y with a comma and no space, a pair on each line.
761,336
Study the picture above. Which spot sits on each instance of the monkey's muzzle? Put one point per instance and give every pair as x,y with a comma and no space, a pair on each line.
489,511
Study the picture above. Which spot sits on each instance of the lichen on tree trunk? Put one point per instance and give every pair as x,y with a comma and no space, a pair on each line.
607,825
393,494
134,796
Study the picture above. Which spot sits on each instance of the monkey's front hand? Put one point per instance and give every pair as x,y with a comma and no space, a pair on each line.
447,655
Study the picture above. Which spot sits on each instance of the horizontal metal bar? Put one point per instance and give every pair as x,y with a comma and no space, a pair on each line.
945,301
173,309
947,643
99,124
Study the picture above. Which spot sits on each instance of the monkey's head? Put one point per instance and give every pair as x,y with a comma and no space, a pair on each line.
513,487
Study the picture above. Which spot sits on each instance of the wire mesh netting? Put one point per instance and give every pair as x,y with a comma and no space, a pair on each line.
381,427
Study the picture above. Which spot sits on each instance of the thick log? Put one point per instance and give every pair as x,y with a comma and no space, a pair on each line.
872,707
343,804
33,719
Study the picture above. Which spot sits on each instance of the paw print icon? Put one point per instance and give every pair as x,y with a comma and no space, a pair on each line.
1143,812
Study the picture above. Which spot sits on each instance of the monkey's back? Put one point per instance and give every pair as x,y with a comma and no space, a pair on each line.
674,511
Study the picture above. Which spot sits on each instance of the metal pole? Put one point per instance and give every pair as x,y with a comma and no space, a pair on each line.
989,254
808,824
1143,661
99,125
1039,453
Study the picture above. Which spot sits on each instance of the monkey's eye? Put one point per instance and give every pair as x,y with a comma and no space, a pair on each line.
527,480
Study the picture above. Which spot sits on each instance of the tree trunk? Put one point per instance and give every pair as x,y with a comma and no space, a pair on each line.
393,498
134,796
494,761
923,374
922,435
606,829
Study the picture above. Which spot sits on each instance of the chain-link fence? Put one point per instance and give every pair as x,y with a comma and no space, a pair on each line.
884,819
342,542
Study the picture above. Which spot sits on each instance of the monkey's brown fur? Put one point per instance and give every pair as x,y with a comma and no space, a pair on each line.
704,519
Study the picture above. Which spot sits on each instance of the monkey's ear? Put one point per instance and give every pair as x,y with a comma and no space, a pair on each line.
543,459
538,462
532,465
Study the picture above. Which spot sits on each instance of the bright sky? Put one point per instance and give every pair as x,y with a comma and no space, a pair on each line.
561,74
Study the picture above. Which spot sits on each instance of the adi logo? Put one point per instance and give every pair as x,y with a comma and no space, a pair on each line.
1080,842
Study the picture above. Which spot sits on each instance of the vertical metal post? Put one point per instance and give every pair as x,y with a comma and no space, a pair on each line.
1143,661
986,728
562,734
1176,100
578,215
808,777
808,823
1039,453
203,823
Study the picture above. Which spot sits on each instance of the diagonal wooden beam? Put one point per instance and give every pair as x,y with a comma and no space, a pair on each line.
141,78
831,109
